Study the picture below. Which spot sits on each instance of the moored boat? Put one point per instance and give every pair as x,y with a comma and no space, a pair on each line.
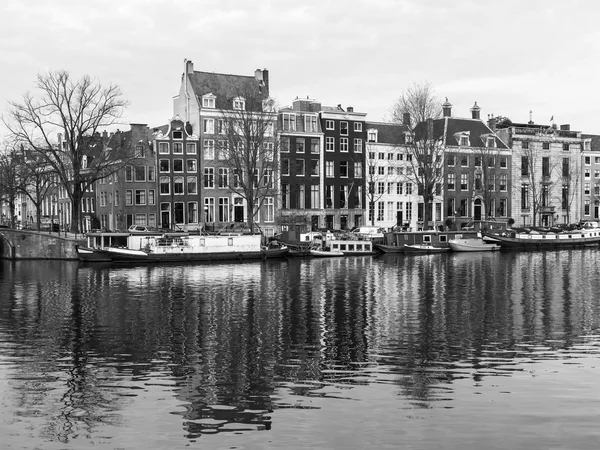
89,254
586,236
352,247
472,245
425,248
325,253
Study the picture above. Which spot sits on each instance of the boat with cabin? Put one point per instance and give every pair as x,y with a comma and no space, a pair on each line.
583,235
472,245
424,248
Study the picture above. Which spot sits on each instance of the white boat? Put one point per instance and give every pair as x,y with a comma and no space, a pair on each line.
325,253
424,248
472,245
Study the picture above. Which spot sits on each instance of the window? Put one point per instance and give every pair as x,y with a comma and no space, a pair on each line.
300,168
586,208
502,208
208,126
546,145
491,182
192,212
165,186
380,210
381,155
566,147
315,196
464,161
525,196
209,177
586,188
450,160
190,148
310,123
450,207
178,165
269,209
178,185
344,145
163,165
380,187
358,126
314,146
151,173
399,188
451,181
289,122
409,188
344,169
478,180
314,167
491,161
464,141
525,145
192,185
223,209
503,182
524,165
381,170
329,144
301,197
343,196
268,178
545,166
151,197
464,181
344,128
299,145
139,151
178,147
329,168
587,173
208,101
358,170
140,196
128,174
588,160
163,148
328,196
503,162
372,135
239,103
223,181
209,149
192,165
357,145
285,166
221,126
491,142
285,145
329,125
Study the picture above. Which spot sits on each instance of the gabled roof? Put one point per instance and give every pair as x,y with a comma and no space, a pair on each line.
388,133
595,141
226,87
449,128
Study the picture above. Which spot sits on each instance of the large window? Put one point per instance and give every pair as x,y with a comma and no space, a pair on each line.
209,177
192,212
315,196
178,185
344,169
140,173
223,209
314,167
329,169
344,128
140,196
329,144
164,165
289,122
192,185
223,181
269,209
310,123
192,165
358,170
165,185
464,181
344,145
209,149
208,126
190,148
357,145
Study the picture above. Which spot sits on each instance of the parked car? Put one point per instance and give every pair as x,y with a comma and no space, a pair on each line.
141,229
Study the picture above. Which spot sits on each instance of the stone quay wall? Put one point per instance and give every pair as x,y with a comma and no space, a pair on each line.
23,244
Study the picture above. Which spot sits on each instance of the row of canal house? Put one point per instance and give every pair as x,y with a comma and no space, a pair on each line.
338,170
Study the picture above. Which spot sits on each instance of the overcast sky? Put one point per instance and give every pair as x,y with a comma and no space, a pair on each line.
509,56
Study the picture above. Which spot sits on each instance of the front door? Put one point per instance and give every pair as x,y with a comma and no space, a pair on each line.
477,210
238,210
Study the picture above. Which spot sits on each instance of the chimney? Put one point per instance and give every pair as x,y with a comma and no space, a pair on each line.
447,108
189,67
475,111
406,119
566,127
492,123
262,76
350,109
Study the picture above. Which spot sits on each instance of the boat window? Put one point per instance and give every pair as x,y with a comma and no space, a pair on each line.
351,247
343,247
202,242
427,239
230,241
443,238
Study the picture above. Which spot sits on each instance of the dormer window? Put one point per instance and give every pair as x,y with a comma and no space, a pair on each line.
289,122
208,101
491,142
177,134
372,135
239,103
408,137
464,141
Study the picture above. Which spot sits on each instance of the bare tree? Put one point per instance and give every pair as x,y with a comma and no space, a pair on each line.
11,182
77,110
417,104
417,108
39,180
571,173
537,170
250,148
487,170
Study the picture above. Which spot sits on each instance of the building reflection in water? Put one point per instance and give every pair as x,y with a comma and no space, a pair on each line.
234,342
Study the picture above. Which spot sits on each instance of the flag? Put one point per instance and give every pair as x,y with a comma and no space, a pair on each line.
552,119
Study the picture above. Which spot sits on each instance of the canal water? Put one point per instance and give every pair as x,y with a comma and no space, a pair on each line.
451,351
